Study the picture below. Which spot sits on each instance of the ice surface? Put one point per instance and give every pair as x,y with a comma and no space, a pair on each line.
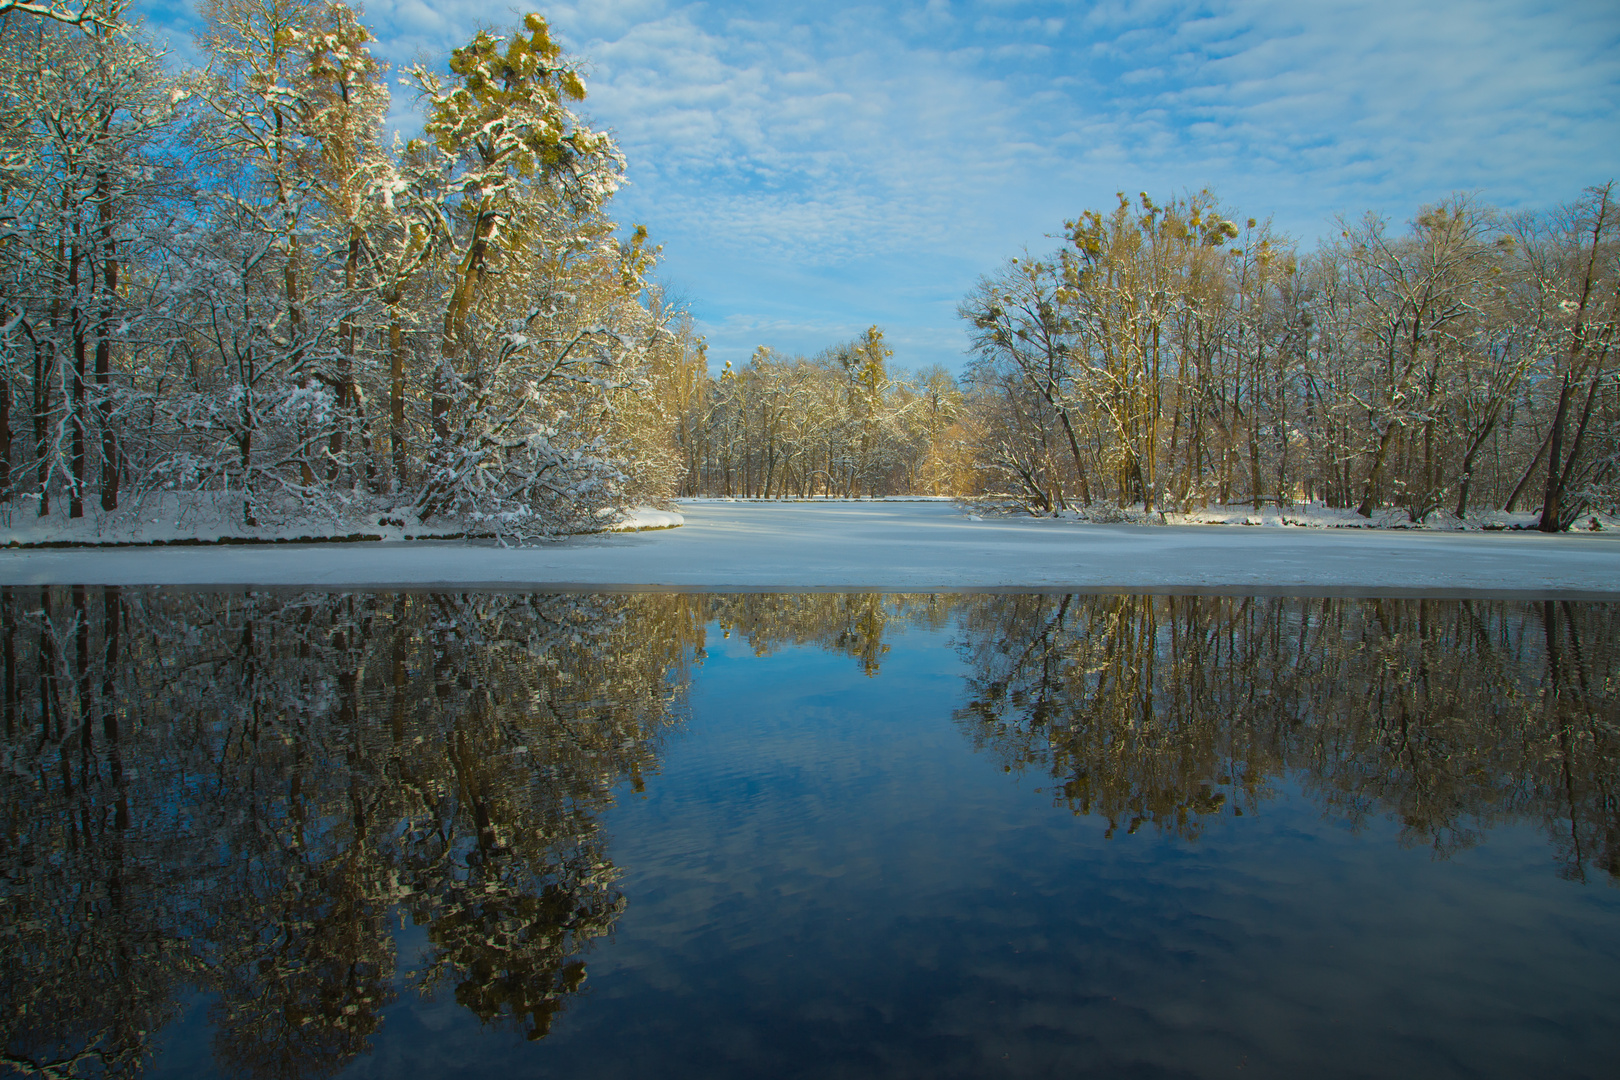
890,545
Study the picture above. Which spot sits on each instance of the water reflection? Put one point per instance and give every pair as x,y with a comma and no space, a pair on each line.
1165,710
247,795
234,794
1450,715
854,624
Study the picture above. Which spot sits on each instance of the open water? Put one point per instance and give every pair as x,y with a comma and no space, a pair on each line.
283,834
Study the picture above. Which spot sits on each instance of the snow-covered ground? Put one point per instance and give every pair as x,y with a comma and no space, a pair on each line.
1319,516
647,517
890,545
210,517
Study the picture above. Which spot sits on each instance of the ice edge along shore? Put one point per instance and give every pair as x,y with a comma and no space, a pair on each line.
910,546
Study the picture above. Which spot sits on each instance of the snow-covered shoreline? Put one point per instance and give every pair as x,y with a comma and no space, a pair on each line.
169,519
193,520
911,546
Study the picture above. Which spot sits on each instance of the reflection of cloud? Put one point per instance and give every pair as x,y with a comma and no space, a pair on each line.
827,136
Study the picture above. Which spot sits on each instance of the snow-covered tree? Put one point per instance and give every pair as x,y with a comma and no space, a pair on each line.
328,328
1169,357
81,177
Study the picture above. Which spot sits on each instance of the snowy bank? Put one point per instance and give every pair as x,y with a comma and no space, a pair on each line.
191,518
1305,515
921,546
645,518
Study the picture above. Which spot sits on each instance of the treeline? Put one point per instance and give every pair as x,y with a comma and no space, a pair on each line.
230,282
844,422
227,286
1168,357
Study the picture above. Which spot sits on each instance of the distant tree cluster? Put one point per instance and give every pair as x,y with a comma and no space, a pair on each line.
228,281
840,423
1168,357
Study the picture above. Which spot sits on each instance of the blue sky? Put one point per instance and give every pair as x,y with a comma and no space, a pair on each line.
814,168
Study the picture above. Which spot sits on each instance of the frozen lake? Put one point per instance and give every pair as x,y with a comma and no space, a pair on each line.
892,545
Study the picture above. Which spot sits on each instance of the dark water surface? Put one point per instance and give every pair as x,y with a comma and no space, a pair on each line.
495,834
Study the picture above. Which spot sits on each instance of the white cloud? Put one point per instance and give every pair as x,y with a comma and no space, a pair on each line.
873,159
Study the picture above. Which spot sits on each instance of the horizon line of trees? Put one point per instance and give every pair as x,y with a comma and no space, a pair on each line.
1168,358
226,286
844,422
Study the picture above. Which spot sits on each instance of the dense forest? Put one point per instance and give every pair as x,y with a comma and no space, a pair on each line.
1167,358
230,286
227,281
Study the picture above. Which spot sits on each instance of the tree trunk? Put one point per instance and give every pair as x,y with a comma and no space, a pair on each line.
1559,470
1074,450
1565,514
1529,472
345,373
244,443
43,363
76,318
1553,493
1376,470
1474,447
1256,482
110,464
396,400
5,442
452,343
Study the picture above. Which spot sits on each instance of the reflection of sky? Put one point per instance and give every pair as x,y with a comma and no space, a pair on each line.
822,878
816,167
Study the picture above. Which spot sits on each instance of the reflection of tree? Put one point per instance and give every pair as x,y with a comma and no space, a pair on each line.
233,793
239,794
302,997
1107,693
850,623
1449,715
86,969
1582,738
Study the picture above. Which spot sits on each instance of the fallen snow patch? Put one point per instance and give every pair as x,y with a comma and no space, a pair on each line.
644,518
1306,515
192,518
